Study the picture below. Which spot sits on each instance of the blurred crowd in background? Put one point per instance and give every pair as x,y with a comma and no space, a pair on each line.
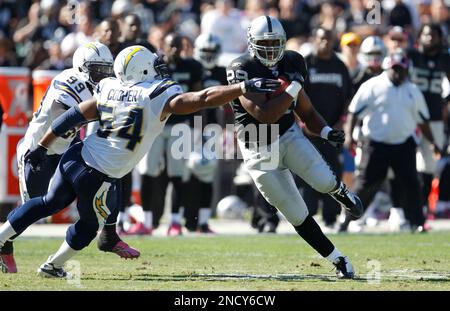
44,35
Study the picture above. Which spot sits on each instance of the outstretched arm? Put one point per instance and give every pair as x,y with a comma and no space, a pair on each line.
216,96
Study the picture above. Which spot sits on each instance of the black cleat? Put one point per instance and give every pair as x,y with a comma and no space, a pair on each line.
344,268
348,200
48,270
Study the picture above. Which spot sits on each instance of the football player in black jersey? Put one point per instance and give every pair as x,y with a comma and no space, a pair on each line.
207,48
272,144
430,65
159,167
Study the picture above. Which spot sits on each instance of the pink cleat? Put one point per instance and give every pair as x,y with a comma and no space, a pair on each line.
139,229
174,230
205,229
123,250
7,263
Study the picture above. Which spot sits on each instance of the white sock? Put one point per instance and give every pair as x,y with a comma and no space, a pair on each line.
64,253
175,218
335,254
204,214
6,231
148,219
122,217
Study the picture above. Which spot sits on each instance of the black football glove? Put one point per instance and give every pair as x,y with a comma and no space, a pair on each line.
295,76
336,138
261,85
36,158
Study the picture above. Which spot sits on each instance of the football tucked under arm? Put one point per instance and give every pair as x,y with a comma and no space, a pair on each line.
284,84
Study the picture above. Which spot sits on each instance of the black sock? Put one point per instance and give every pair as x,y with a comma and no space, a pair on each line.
108,238
310,231
7,248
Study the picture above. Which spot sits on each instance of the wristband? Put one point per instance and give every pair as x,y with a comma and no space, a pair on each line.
324,132
40,145
243,88
67,121
293,89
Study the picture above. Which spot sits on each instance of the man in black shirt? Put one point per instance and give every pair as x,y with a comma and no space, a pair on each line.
430,65
272,143
327,75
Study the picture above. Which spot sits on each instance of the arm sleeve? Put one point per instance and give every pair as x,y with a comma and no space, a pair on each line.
67,121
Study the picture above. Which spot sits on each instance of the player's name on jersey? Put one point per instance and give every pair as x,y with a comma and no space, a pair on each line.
122,95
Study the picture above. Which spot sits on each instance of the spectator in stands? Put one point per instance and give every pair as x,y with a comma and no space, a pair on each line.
108,33
228,24
55,60
294,16
7,54
132,33
145,15
43,23
330,17
254,8
350,44
83,33
156,38
400,15
440,13
396,39
7,18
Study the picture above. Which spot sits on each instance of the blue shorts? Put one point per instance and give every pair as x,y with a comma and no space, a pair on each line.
96,192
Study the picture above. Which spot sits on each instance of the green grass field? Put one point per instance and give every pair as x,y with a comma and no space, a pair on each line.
256,262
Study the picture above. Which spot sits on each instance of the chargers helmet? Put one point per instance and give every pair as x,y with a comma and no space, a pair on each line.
136,64
93,62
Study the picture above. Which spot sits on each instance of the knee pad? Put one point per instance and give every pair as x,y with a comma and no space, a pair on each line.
324,179
294,211
80,234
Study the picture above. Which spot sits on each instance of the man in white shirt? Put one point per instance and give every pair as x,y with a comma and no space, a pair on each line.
391,107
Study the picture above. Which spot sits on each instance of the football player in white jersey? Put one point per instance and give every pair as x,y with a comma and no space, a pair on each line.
131,109
91,63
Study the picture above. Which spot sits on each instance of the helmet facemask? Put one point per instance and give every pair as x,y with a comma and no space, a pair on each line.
208,57
98,71
161,69
268,49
